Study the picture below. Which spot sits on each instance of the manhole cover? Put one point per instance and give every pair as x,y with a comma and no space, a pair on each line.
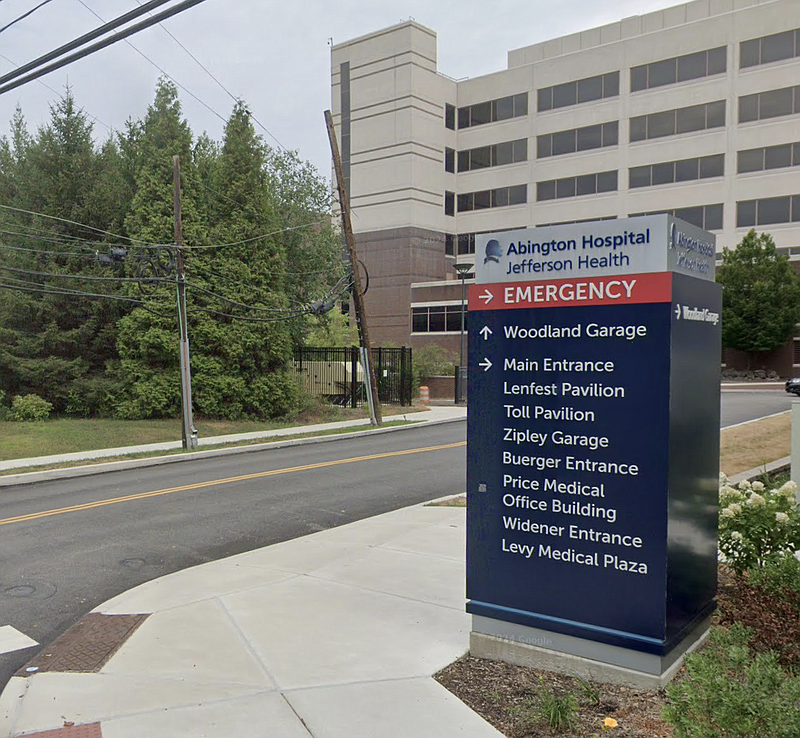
87,646
29,589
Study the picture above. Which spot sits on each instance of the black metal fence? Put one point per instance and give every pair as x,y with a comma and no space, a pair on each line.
337,374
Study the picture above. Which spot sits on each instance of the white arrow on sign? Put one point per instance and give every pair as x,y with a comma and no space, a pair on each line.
486,364
486,332
678,312
487,297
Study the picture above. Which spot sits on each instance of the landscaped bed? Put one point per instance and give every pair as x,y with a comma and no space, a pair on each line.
745,683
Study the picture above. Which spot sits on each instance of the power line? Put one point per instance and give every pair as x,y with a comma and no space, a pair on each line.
76,293
84,277
25,15
81,225
256,238
81,40
46,86
131,30
159,68
225,89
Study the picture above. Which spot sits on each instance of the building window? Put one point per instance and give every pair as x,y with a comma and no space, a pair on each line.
768,211
770,157
498,198
766,49
450,160
449,203
585,184
577,139
771,104
575,93
575,222
450,116
493,111
679,69
466,244
708,217
438,319
684,170
449,244
681,120
508,152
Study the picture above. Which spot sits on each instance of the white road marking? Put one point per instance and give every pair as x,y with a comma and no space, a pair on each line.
12,640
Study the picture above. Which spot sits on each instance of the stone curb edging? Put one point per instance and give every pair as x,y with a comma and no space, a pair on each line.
778,465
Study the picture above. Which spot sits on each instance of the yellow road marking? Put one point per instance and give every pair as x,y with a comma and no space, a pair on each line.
216,482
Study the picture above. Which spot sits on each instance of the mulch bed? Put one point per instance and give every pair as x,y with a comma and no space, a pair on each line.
505,695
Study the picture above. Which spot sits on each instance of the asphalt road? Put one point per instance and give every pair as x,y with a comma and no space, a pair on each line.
57,565
56,568
739,406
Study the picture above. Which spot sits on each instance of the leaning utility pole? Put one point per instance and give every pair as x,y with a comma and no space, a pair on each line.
188,432
358,293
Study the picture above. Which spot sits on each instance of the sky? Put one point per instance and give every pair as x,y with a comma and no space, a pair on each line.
274,55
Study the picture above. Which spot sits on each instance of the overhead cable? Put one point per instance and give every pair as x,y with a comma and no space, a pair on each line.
25,15
130,31
81,40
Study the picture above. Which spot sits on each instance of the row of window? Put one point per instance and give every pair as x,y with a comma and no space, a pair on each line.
584,184
684,170
769,157
580,91
497,198
438,318
771,104
464,243
508,152
680,120
768,211
708,217
577,139
706,63
679,69
770,48
503,108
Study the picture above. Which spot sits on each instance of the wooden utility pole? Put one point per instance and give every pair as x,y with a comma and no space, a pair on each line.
358,292
188,432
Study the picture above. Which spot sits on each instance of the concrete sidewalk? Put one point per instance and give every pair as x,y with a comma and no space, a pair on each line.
333,635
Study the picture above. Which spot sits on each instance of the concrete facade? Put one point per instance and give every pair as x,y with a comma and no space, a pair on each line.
649,114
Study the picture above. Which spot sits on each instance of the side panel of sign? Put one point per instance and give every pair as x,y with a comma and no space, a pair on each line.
694,452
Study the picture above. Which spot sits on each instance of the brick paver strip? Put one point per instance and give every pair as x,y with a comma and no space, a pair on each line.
90,730
86,646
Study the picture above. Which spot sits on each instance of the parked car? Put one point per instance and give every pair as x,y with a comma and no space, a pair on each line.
793,385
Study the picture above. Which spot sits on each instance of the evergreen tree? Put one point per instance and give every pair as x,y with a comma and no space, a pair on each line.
54,345
148,339
761,295
241,368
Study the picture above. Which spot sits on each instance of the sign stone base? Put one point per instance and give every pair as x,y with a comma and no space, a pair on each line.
498,640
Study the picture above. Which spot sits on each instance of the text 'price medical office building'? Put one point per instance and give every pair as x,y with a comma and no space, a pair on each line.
693,111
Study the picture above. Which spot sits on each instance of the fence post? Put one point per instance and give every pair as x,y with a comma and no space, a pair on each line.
354,389
403,377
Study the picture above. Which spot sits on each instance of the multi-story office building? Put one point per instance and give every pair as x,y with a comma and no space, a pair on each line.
693,110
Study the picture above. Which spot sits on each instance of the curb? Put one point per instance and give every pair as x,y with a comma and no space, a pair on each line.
774,466
13,480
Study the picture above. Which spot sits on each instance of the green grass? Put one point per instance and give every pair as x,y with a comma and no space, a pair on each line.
67,435
179,452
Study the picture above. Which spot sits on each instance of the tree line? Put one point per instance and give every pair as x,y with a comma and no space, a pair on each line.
88,316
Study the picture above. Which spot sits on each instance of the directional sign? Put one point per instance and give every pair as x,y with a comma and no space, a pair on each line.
593,450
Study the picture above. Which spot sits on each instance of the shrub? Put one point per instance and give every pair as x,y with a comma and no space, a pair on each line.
432,361
30,407
728,692
756,524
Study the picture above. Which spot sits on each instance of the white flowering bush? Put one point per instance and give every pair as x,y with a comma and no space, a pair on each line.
757,524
